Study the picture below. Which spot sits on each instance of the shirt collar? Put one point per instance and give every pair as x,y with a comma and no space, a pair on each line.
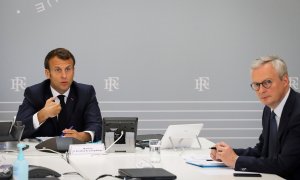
55,93
278,110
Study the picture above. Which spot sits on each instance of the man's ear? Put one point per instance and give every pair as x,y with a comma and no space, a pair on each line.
47,73
286,79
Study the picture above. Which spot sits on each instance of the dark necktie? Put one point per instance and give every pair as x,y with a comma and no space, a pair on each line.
62,116
272,135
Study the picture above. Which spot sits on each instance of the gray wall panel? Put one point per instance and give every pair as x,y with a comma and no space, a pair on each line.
155,51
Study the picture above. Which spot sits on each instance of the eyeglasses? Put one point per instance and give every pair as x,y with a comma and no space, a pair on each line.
266,84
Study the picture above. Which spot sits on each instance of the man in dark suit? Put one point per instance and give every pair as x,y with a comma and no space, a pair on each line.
60,106
278,149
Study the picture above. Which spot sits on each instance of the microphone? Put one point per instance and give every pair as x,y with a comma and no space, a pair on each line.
122,133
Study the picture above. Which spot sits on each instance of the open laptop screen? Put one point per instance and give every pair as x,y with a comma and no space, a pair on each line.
181,135
5,127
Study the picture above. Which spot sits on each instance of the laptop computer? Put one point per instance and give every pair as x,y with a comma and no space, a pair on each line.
146,137
181,135
143,139
5,127
147,173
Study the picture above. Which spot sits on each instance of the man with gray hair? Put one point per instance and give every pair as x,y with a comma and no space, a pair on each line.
278,149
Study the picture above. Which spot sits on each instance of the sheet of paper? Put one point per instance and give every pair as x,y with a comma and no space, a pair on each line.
43,138
90,148
202,161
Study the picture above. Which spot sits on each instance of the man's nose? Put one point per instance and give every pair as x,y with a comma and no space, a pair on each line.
63,74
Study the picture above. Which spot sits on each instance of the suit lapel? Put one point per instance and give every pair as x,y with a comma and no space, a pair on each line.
284,119
47,91
266,129
70,106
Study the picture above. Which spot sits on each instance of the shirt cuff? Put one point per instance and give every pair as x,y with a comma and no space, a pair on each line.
35,121
236,159
91,134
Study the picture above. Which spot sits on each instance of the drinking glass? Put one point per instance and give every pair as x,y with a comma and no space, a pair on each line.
154,146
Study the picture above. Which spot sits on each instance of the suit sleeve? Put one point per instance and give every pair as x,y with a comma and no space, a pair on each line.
92,116
25,113
285,163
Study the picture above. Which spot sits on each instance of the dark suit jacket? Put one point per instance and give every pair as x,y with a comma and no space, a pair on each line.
83,112
287,162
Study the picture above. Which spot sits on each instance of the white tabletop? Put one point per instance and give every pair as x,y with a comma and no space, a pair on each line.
53,161
92,166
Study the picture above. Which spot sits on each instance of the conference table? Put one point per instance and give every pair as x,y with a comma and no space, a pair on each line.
57,162
91,166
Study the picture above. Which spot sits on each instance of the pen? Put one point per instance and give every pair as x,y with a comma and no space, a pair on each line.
71,127
213,148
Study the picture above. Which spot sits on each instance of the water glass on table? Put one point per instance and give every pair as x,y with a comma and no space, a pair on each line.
154,146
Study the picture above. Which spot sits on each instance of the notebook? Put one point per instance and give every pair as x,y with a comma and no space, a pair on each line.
147,173
180,135
202,161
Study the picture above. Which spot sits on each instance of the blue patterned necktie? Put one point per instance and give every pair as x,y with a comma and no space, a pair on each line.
273,135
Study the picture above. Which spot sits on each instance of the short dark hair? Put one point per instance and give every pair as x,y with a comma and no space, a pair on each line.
61,53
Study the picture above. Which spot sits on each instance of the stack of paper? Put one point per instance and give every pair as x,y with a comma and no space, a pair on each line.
202,161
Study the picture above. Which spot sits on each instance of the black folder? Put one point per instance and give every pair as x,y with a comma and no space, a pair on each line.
147,173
